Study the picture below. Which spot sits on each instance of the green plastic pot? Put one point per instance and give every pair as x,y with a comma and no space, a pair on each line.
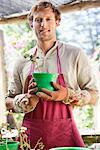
11,145
44,80
2,146
69,148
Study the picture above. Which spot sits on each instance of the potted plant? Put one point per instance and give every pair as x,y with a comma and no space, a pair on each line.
6,140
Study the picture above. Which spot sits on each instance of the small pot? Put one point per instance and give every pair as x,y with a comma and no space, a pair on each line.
44,80
11,145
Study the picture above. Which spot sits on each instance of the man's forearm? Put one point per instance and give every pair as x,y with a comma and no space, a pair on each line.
84,97
22,103
9,103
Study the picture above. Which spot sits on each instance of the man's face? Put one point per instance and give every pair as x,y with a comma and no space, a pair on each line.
44,24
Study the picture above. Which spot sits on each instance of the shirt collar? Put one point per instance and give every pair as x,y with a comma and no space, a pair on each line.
40,53
49,53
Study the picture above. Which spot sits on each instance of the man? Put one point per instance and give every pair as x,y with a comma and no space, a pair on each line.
48,114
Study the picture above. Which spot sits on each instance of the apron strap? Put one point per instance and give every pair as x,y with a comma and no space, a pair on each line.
29,77
58,62
61,81
32,65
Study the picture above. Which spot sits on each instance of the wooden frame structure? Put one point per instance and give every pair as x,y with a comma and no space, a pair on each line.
73,5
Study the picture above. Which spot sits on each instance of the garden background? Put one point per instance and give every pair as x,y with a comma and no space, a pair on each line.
80,28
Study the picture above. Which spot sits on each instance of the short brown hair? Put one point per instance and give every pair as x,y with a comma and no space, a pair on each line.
41,6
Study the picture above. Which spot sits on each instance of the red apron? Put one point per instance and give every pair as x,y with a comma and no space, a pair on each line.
51,123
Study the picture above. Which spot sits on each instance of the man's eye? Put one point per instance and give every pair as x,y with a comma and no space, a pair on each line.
48,19
38,20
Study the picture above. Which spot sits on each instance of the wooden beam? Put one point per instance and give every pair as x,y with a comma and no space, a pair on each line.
18,19
70,7
79,6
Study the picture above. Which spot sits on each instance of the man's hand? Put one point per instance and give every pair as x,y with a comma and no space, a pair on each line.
31,95
27,102
32,88
59,94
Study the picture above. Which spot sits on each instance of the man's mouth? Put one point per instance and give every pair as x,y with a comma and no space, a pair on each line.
44,31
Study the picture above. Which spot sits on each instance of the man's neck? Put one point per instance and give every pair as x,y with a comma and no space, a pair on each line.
46,45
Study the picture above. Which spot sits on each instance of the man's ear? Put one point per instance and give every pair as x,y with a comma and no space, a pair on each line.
57,23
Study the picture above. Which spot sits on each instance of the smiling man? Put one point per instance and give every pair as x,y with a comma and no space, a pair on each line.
48,114
44,24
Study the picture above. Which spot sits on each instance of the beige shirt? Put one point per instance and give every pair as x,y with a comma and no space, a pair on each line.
74,64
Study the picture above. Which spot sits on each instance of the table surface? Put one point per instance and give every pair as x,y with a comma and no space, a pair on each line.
89,132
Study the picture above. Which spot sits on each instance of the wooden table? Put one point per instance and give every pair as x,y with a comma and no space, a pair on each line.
90,136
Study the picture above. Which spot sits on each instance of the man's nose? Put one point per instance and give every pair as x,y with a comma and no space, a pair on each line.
43,22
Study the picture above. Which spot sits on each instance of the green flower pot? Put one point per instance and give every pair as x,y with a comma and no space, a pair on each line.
44,80
2,146
69,148
11,145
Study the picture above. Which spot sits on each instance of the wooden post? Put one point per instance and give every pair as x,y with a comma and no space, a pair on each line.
2,81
